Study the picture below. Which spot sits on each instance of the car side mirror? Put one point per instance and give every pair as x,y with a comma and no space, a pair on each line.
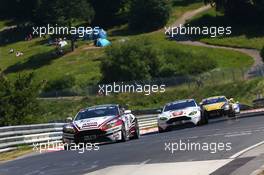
69,119
127,112
200,104
159,110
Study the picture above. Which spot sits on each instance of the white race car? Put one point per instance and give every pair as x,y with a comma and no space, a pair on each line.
180,112
101,124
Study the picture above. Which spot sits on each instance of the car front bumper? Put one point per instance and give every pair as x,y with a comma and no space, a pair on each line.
216,113
93,136
179,121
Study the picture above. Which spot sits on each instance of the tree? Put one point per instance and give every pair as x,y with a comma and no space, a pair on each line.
18,99
5,93
17,9
63,12
109,12
63,83
238,8
135,60
149,14
262,53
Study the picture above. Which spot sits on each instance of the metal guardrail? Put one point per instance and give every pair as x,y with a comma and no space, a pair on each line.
147,121
14,136
258,103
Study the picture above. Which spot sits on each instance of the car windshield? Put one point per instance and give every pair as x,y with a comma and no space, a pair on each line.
97,112
214,100
179,105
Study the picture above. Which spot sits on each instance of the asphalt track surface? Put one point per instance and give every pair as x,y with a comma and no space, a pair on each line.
150,149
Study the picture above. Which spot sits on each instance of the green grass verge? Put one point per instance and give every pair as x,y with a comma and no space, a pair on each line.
249,35
243,91
11,155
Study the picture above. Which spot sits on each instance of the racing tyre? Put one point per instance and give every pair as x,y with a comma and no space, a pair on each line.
162,130
204,119
231,114
137,132
124,135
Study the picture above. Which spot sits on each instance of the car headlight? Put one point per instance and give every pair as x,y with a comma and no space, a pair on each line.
69,129
163,117
226,107
236,106
193,113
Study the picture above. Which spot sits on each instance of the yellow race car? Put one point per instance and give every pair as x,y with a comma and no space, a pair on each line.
219,106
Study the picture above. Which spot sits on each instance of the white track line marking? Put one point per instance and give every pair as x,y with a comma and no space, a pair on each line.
145,162
238,134
245,150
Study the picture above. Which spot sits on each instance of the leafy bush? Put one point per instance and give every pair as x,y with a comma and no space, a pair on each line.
148,15
60,84
18,99
134,60
142,60
182,63
115,11
262,53
239,9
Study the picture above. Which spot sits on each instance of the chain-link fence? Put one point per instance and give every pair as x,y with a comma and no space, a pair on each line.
214,77
256,71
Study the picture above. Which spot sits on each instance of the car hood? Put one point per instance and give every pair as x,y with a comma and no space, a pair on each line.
185,111
92,123
215,106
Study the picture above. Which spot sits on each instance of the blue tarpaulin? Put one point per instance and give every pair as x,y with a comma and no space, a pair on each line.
102,42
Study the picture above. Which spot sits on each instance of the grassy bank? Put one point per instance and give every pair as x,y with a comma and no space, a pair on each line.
59,109
84,63
247,35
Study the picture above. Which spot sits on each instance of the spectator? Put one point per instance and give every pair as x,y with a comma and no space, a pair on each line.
11,50
18,54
